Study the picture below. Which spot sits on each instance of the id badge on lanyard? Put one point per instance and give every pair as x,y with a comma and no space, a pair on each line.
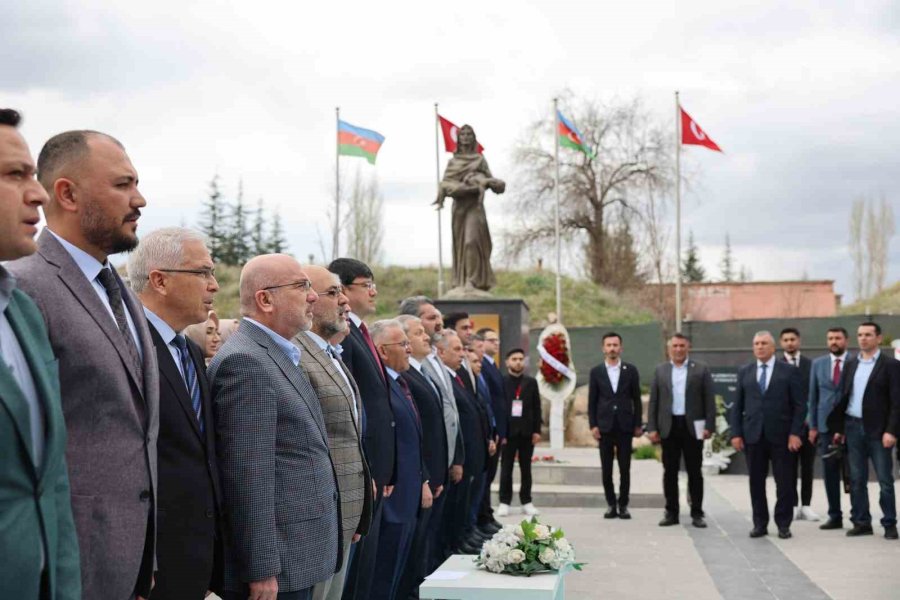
517,403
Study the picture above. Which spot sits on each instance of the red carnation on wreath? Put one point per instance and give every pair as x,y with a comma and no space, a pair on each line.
555,345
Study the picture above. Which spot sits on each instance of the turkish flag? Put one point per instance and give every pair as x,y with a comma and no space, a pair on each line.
450,130
691,134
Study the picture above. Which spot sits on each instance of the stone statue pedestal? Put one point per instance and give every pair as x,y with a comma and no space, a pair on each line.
508,317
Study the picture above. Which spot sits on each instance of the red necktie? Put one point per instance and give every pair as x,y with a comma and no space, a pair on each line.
371,345
836,374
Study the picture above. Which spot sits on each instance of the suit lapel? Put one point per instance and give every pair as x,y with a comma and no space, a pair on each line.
13,400
172,375
324,361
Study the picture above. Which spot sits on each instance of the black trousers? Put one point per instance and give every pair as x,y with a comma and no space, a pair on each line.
361,570
682,443
616,444
454,520
521,444
759,455
804,462
417,561
485,512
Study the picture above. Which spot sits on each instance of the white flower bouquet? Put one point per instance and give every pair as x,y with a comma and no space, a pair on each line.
528,548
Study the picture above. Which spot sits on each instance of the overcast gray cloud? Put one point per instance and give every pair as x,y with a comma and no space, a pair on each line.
800,95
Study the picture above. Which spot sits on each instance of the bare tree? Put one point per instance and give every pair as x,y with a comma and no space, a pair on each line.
364,221
631,155
879,231
857,250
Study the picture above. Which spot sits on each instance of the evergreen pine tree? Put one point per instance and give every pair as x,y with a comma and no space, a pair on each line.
727,264
277,243
212,220
258,244
691,270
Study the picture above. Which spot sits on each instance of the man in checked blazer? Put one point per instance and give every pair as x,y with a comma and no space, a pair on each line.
339,397
681,395
280,485
109,378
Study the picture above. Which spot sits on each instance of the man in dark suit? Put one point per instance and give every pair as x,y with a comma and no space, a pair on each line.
615,414
279,483
427,397
37,533
520,421
789,338
681,397
766,422
824,395
361,357
493,378
868,419
172,274
97,327
339,398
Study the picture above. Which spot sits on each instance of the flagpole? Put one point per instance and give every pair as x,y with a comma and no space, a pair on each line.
559,315
337,186
677,213
437,171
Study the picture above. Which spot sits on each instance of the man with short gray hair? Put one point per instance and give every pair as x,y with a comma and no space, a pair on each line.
172,273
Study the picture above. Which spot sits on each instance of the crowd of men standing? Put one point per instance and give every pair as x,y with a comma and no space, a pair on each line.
311,456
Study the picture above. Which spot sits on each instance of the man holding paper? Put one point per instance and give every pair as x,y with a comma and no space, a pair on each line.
681,414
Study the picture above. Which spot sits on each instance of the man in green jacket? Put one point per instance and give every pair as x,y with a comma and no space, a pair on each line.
38,547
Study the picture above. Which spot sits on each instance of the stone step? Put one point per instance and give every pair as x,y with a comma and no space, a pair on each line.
562,474
582,496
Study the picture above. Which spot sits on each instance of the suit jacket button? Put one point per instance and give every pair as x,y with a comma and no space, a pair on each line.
144,495
39,490
209,512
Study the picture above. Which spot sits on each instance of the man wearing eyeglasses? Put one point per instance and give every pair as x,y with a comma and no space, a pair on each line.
278,479
172,274
377,418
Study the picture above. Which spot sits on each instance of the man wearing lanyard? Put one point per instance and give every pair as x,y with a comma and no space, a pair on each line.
523,430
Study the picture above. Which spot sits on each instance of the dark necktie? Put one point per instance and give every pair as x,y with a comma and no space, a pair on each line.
836,373
405,387
114,293
762,379
365,333
459,380
190,377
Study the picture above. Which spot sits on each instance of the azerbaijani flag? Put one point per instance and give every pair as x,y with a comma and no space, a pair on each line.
570,137
356,141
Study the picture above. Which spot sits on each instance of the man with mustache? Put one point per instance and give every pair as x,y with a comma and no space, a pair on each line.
173,275
37,533
107,365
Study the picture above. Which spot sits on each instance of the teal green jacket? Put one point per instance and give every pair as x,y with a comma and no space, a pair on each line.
35,508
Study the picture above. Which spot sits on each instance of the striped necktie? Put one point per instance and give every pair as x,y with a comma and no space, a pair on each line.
190,377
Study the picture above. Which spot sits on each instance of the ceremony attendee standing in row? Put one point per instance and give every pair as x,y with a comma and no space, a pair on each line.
173,275
824,395
379,443
615,414
789,338
681,414
97,327
520,421
493,378
340,402
278,479
868,419
766,423
37,533
206,335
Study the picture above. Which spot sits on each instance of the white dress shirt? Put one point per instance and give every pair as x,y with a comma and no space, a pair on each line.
614,371
679,388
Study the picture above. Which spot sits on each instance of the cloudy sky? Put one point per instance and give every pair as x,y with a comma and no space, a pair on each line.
802,96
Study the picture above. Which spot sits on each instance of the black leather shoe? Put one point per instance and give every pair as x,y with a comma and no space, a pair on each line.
858,530
497,524
890,532
611,513
784,533
832,524
484,532
466,548
669,520
698,522
489,528
623,512
757,532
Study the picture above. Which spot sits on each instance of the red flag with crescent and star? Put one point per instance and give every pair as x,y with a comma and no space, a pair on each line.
450,131
692,135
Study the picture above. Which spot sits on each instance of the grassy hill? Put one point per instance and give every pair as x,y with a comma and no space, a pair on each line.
584,303
887,302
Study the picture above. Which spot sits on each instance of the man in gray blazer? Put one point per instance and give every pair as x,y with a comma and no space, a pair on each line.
107,363
681,396
280,486
824,395
341,405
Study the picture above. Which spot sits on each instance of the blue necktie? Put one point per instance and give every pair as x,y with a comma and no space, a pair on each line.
762,379
190,377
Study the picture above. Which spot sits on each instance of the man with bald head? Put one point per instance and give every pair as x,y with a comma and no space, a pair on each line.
278,479
766,423
339,397
107,364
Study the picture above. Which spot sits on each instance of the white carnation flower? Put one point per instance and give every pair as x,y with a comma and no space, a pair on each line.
563,545
547,556
542,532
520,533
515,556
494,566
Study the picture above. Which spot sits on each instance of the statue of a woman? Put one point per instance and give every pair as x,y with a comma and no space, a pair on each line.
466,179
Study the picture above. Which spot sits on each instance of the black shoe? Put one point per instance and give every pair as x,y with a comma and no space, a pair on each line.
496,523
858,530
611,513
832,524
623,512
758,532
698,522
466,548
784,533
490,528
484,532
890,532
669,520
